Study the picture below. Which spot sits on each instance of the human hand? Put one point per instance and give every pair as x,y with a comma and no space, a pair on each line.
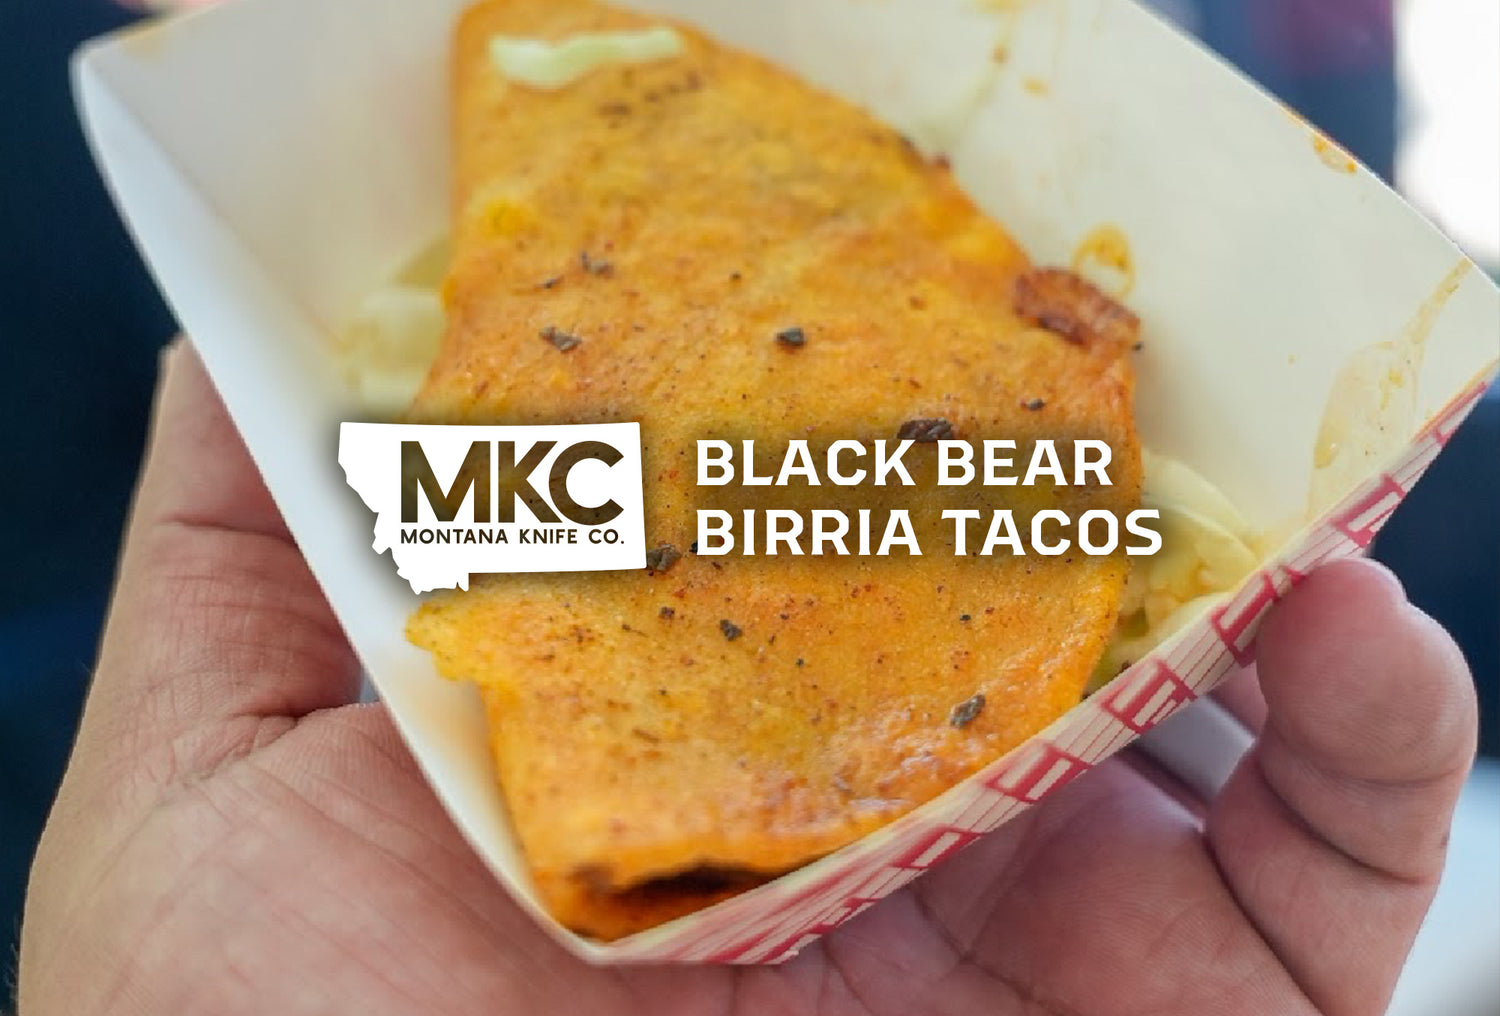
236,836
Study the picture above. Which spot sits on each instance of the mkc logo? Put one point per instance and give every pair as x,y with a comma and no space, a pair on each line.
512,483
456,500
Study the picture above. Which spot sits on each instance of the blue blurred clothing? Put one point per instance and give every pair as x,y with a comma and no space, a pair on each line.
46,653
80,324
1334,61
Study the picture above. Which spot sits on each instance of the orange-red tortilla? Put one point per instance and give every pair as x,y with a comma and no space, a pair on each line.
666,738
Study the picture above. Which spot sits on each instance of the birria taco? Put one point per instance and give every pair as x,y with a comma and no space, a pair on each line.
650,226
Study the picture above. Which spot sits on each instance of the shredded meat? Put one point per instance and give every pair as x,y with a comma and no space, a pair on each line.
1064,302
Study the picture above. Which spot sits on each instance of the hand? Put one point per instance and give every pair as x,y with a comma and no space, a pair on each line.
235,836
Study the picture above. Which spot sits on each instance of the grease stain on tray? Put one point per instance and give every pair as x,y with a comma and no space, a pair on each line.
1104,258
1371,411
1328,151
1331,155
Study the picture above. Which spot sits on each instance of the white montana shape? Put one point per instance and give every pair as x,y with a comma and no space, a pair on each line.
573,506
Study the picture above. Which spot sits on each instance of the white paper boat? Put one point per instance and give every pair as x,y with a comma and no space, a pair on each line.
278,159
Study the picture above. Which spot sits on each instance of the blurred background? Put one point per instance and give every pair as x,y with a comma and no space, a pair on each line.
1411,87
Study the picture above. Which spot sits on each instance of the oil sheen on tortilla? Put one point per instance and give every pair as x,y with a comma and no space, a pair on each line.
668,738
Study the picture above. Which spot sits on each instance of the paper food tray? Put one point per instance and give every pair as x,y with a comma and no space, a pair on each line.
278,159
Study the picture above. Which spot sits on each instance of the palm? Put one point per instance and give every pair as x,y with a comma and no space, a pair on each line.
325,851
234,837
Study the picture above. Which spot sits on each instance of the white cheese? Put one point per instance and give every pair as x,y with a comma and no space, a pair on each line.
1207,550
553,65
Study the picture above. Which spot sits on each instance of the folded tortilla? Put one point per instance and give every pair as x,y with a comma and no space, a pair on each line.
666,738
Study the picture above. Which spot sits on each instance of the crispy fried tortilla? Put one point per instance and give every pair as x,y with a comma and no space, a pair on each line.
710,247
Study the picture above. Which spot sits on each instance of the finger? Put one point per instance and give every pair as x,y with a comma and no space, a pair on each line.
1201,746
215,617
1332,832
1240,694
1101,900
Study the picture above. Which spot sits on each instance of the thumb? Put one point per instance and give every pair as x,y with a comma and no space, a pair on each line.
1332,832
216,628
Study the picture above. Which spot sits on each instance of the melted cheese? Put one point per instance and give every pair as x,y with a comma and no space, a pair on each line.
1207,550
552,65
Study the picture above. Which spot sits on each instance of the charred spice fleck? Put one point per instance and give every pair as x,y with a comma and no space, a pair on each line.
561,340
966,712
660,559
926,431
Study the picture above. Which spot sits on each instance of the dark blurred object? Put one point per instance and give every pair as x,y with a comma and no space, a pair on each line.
1444,542
80,323
1333,61
79,317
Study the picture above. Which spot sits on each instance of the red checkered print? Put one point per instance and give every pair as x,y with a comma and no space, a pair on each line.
1362,517
1039,769
935,846
1144,701
1447,420
1237,621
